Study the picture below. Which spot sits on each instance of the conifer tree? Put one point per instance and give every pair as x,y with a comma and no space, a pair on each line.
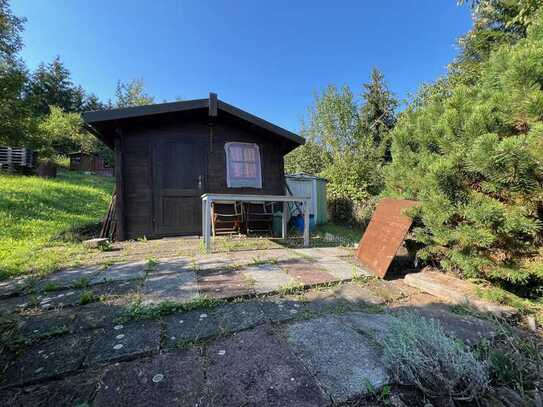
472,155
13,76
377,113
51,85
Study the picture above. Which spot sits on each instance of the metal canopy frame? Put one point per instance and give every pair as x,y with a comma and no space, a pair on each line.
207,200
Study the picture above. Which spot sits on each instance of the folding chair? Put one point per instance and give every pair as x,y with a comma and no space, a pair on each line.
226,218
259,218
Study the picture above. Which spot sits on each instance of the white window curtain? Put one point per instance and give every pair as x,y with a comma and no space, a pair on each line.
243,165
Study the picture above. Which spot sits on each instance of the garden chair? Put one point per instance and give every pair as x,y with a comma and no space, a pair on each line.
259,218
227,218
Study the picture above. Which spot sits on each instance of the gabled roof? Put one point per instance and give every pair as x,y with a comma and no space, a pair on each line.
304,176
213,104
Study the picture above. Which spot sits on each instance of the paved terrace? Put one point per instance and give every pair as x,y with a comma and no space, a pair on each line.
284,327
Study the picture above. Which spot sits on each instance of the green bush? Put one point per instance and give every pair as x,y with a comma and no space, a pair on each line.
419,353
472,155
344,211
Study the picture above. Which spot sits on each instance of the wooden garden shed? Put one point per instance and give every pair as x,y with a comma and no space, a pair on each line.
80,161
168,155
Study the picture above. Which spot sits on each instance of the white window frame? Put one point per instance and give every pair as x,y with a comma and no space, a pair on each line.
231,182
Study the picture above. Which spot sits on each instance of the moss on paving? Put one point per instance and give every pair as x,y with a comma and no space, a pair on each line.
139,311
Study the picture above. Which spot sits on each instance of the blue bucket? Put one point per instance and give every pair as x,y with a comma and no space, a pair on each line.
298,221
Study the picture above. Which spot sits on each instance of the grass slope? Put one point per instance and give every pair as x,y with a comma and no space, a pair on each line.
35,213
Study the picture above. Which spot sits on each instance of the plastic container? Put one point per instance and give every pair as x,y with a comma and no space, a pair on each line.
299,223
277,225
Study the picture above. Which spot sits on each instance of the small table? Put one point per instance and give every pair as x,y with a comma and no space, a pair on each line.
207,200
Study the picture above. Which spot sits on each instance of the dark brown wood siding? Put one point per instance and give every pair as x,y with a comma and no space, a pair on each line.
271,161
139,147
138,185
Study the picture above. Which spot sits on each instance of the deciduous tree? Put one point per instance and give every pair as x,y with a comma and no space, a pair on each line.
132,94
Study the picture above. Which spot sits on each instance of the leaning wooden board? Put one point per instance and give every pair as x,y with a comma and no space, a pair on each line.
384,235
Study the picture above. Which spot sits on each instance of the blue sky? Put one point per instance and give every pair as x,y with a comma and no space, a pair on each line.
267,57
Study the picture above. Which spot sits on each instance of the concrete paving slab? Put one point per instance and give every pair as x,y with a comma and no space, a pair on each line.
254,368
240,316
17,303
343,362
173,265
342,269
211,263
12,286
49,359
59,299
283,309
121,272
74,390
246,257
42,324
224,284
309,252
455,291
122,342
358,294
284,257
192,326
341,299
67,278
69,297
308,273
267,278
325,252
97,315
375,325
200,325
178,287
117,288
168,379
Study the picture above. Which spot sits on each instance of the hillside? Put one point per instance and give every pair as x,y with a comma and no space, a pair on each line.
39,219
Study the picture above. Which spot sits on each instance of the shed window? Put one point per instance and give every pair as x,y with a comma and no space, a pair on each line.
243,165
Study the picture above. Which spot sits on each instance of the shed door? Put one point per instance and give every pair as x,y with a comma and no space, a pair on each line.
179,181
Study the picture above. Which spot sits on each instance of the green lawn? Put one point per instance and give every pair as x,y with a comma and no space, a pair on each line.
346,234
37,215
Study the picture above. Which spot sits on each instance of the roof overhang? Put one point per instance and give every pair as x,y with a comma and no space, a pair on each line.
101,118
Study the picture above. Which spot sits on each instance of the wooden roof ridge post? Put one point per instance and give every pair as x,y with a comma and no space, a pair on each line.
213,111
213,104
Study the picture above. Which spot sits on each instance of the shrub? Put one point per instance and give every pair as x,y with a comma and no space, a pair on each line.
514,362
345,211
419,353
472,157
87,297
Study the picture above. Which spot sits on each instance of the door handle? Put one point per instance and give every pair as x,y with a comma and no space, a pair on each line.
199,182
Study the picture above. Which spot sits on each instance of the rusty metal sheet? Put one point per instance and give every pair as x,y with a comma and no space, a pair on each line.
384,235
